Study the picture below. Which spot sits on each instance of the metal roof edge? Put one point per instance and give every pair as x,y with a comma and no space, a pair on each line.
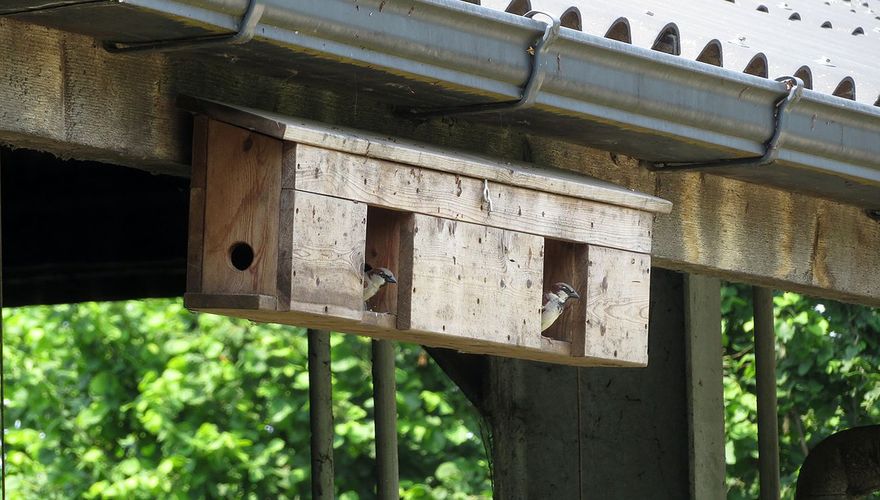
683,105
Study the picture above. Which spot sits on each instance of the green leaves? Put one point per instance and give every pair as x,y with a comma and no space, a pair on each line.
142,399
828,355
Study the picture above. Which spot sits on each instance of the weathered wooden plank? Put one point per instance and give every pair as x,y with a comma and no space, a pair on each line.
327,256
705,390
288,165
366,144
460,197
241,211
471,281
383,326
196,234
244,302
64,94
617,301
757,234
286,220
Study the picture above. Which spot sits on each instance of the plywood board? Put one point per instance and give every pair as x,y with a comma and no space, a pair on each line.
471,281
617,300
461,197
241,207
327,256
196,226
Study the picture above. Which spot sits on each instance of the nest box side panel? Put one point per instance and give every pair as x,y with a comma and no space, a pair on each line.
327,256
242,195
470,281
617,300
196,236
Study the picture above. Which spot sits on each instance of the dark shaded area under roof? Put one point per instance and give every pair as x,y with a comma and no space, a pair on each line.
76,231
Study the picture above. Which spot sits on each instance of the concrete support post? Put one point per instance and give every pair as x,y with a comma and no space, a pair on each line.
705,386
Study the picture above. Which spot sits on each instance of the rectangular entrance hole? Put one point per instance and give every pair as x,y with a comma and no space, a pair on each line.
383,250
567,262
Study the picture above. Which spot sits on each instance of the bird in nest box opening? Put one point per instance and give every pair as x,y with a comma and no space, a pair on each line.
554,303
374,279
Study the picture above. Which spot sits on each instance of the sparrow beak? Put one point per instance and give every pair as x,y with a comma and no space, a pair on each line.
390,279
574,295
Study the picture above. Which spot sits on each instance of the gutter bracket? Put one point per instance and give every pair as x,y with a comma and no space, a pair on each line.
246,28
529,92
795,87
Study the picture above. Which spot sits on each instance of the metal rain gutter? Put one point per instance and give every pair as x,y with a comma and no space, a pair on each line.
651,105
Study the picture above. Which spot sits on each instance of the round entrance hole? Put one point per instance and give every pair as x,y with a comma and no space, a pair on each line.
241,255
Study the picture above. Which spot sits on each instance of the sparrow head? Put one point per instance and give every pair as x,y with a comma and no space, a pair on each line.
564,291
381,272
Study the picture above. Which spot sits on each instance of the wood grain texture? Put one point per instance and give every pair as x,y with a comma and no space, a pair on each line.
371,145
383,326
288,165
286,220
471,281
705,386
568,263
241,207
327,256
761,235
63,93
244,302
617,301
458,196
196,225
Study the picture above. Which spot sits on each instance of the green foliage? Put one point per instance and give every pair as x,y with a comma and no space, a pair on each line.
827,379
145,400
142,399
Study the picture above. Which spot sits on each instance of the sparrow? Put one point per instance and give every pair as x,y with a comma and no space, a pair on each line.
554,303
374,279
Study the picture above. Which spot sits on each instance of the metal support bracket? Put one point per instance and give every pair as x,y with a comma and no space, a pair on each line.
795,88
529,92
245,33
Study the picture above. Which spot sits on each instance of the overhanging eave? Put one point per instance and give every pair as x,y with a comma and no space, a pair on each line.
599,92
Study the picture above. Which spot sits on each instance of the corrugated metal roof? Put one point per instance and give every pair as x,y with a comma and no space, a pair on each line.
833,45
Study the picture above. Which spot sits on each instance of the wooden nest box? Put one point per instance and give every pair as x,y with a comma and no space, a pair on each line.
284,214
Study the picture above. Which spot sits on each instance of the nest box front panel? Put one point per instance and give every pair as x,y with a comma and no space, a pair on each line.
617,301
243,170
471,281
326,256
